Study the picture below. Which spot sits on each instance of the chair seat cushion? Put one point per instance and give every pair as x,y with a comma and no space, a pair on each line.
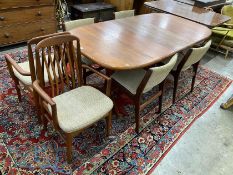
81,107
27,79
130,79
221,31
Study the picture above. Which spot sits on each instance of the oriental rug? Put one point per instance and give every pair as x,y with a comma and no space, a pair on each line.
25,148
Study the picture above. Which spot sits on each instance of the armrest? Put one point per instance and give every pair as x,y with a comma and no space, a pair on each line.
16,66
108,79
42,93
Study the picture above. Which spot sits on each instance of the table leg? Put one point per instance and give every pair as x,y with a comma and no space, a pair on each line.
227,104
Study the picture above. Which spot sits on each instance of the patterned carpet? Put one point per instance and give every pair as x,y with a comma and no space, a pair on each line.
25,148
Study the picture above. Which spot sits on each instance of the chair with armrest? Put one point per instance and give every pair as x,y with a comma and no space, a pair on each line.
124,14
24,73
222,36
190,59
68,107
139,81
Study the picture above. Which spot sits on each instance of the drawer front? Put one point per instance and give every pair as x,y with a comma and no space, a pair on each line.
20,16
4,4
15,34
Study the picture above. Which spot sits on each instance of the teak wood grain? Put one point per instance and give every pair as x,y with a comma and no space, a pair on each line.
196,14
138,41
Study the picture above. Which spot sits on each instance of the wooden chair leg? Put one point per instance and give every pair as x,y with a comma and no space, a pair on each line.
84,76
17,89
137,117
15,79
109,124
161,86
195,67
176,78
69,140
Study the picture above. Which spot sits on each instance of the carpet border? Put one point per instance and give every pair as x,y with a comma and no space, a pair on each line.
188,127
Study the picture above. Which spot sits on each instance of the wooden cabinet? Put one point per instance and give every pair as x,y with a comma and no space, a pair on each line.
23,20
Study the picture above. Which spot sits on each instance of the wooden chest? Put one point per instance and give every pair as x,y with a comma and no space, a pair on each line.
23,20
100,11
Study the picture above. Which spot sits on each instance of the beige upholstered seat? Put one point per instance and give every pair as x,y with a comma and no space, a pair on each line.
78,23
124,14
68,104
191,58
136,82
81,107
27,79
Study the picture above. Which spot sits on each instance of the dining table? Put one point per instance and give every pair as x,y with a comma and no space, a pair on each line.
139,41
193,13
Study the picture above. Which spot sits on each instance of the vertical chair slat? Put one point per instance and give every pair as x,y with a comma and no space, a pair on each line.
70,64
58,63
64,64
55,78
48,70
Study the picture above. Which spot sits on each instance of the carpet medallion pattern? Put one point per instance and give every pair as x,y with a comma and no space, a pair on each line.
25,148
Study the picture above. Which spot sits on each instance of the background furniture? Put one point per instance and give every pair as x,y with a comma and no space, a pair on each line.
122,4
68,107
100,11
196,14
139,81
223,36
23,20
138,41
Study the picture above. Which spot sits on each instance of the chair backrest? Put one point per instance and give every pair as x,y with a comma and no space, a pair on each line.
196,55
31,58
124,14
61,61
158,74
77,23
228,11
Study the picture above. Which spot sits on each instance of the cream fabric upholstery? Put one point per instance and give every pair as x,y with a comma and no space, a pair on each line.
160,73
196,55
81,107
131,79
124,14
78,23
27,79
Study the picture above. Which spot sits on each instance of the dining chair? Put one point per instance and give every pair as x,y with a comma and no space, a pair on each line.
124,14
24,73
222,36
69,106
69,25
190,59
139,81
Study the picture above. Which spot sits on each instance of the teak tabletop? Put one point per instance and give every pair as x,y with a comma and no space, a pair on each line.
196,14
139,41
